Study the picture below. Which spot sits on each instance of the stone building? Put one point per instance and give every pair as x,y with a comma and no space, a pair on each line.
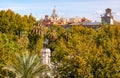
93,25
107,18
54,15
54,19
47,20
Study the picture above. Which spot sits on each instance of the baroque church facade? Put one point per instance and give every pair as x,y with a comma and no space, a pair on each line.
54,19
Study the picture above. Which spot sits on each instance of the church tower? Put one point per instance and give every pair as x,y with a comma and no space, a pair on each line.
54,14
107,18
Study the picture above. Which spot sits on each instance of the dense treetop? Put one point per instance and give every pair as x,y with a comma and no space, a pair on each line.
77,52
14,23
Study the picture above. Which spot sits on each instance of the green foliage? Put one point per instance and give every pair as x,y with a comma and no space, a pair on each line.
26,66
77,52
86,53
8,47
36,38
14,23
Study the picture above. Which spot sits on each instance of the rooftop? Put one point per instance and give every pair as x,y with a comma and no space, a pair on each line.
91,23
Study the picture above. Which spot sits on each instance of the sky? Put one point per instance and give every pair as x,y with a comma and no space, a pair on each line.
91,9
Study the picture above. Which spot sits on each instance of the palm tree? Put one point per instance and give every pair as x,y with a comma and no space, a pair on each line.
26,66
52,35
39,31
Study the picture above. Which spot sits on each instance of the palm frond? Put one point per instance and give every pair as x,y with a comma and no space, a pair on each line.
26,66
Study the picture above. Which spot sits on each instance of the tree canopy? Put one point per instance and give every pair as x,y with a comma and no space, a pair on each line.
77,52
84,52
14,23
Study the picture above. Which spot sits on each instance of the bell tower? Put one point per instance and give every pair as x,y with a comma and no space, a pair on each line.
108,12
107,18
54,14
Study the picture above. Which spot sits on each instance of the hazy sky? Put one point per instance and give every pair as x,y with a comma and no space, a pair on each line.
90,9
